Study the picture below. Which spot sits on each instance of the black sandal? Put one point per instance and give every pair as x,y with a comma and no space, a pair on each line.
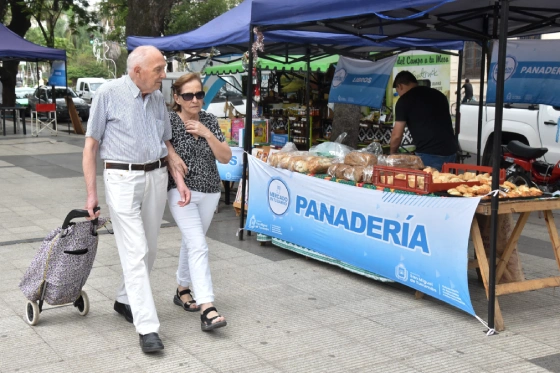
186,305
206,323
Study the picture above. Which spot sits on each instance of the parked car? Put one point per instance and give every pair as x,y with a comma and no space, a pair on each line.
22,94
43,95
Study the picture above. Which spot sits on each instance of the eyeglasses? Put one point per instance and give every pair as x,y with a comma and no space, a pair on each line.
189,96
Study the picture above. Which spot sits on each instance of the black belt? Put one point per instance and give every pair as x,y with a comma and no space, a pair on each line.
137,167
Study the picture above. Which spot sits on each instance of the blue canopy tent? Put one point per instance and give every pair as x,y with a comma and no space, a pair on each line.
229,33
475,20
14,47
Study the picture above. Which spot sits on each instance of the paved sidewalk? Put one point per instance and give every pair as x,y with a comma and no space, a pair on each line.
285,313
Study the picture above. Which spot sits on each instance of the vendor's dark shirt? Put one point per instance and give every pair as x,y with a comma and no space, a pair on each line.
468,90
202,173
426,113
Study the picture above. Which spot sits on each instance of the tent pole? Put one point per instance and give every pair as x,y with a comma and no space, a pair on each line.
481,100
66,80
496,157
307,98
247,133
458,106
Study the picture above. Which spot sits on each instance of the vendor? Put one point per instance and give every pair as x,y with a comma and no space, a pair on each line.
425,111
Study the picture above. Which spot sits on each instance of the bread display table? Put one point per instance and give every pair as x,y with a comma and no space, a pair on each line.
524,208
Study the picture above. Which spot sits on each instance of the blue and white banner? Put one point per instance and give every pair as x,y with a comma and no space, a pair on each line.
532,73
361,82
233,170
416,240
58,74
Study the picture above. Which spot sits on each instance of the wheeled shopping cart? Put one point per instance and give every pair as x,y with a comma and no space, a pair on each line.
61,266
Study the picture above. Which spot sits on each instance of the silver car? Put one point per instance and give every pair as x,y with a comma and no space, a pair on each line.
43,95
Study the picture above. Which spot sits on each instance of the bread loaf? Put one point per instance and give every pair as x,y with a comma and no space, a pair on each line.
402,161
319,165
360,159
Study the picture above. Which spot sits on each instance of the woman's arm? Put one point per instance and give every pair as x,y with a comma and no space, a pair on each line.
221,150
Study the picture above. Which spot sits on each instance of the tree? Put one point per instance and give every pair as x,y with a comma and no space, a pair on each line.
47,14
147,17
189,15
19,24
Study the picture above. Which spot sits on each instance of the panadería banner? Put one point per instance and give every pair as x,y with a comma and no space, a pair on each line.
361,82
416,240
532,72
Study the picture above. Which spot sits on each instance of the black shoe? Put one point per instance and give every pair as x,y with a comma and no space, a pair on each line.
150,343
124,309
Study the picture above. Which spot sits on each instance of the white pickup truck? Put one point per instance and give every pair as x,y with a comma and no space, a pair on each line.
534,125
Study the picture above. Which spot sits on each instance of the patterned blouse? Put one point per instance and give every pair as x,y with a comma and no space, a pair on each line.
202,175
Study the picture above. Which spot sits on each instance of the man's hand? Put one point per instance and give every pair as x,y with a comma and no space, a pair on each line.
176,164
185,194
91,203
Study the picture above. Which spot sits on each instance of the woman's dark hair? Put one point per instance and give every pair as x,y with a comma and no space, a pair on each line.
404,77
178,84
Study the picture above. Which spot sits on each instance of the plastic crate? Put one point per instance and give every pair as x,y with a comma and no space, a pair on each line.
421,182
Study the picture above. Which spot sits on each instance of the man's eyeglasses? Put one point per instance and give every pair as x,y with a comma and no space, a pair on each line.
189,96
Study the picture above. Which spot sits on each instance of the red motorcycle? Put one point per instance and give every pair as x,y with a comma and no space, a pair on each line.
523,168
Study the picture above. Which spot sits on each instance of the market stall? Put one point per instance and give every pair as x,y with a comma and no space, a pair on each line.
468,20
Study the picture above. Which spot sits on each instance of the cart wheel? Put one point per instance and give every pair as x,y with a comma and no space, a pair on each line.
32,313
82,303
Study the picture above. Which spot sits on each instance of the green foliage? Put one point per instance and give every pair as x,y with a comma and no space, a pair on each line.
189,14
84,65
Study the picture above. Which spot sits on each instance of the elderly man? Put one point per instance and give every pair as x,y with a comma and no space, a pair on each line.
129,127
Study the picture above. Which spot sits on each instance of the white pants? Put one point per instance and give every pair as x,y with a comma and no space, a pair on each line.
136,201
193,220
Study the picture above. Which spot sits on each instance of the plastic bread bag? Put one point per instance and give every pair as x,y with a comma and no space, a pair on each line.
285,158
332,149
401,161
373,148
337,170
359,174
359,158
319,165
274,158
298,163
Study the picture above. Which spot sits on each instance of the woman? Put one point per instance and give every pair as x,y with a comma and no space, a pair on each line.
198,140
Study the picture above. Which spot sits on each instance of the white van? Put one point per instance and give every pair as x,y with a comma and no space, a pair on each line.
86,87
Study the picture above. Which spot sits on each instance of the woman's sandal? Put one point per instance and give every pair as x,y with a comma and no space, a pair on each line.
206,323
186,305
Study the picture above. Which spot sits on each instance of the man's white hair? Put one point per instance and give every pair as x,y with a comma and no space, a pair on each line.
139,56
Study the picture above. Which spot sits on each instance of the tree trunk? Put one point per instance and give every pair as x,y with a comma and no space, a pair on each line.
19,24
346,119
147,17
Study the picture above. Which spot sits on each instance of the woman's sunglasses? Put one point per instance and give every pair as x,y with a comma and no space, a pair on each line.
189,96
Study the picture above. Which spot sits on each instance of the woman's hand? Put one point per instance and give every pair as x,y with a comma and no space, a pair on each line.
196,128
185,194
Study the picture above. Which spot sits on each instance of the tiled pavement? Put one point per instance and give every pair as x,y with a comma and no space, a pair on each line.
285,313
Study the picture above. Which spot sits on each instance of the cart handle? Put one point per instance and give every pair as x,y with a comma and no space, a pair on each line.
78,214
76,252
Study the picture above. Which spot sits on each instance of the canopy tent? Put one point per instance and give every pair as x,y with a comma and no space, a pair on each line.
294,63
230,33
14,47
431,19
476,20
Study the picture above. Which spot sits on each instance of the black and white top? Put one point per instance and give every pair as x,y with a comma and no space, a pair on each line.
202,173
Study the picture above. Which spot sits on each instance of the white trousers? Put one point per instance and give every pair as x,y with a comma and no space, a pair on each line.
193,220
136,201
